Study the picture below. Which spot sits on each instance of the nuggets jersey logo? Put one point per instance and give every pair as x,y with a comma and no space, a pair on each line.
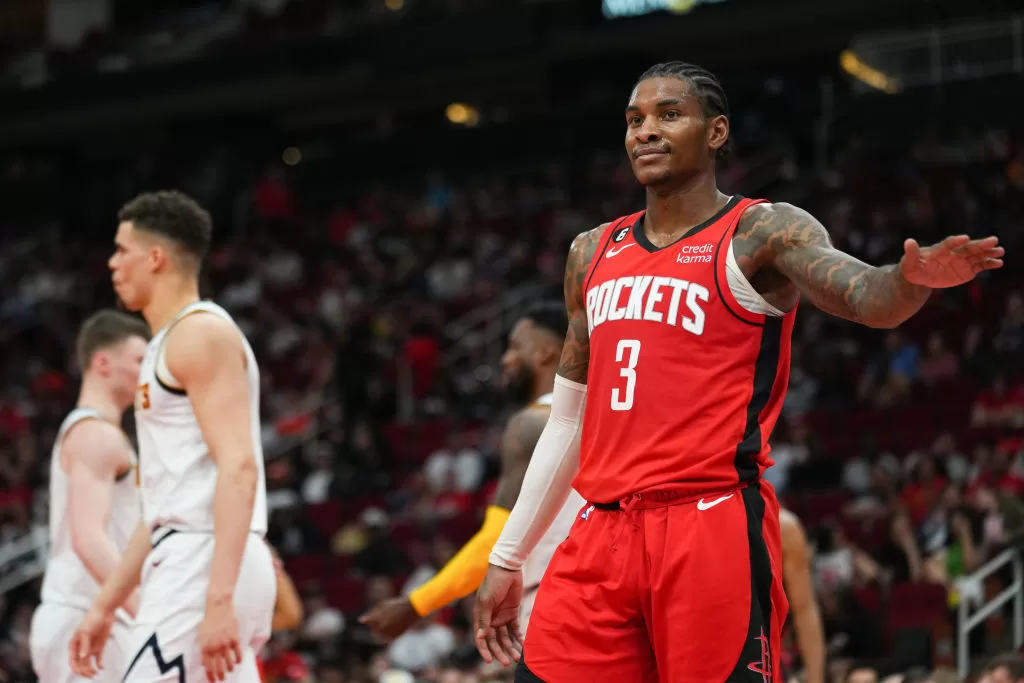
142,401
684,384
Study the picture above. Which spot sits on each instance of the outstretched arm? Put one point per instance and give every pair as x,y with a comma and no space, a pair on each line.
795,244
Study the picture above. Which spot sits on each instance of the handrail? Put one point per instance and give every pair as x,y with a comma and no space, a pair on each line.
34,546
1015,592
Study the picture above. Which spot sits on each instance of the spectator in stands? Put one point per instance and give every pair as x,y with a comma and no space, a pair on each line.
994,471
900,555
457,467
1009,340
1007,668
316,486
925,486
424,646
939,363
381,556
323,622
890,378
293,533
948,540
999,406
862,674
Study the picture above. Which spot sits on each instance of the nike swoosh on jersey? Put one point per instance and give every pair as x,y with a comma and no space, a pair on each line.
613,251
701,505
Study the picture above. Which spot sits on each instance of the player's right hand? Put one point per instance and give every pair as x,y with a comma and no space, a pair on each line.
496,615
85,652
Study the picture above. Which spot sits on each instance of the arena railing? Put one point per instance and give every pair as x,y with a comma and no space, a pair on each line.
974,584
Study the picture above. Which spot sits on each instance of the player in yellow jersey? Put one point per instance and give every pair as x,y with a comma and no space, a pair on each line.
529,364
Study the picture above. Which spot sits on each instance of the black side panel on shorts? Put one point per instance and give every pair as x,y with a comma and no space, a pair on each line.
524,675
177,663
755,662
765,369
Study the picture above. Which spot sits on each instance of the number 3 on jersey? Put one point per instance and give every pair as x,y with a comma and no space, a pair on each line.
626,353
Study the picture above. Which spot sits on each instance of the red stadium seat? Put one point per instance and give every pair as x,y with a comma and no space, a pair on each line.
345,593
326,516
916,605
305,569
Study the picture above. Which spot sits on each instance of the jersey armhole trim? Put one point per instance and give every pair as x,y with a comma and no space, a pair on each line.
172,386
724,293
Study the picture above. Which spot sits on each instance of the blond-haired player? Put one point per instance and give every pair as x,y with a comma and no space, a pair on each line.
207,577
94,501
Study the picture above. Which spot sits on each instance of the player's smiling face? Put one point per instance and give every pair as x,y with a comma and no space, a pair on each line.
668,137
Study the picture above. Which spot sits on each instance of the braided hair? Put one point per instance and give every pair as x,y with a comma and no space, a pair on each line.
705,85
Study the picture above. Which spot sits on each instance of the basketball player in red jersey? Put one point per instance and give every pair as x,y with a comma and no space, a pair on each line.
679,339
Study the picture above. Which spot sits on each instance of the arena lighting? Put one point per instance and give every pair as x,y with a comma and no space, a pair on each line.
462,114
291,156
854,66
632,8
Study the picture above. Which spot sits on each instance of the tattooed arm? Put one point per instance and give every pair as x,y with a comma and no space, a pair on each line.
575,359
794,243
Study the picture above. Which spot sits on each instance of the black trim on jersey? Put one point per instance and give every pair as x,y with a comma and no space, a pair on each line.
718,285
756,657
766,367
164,666
593,266
170,532
641,238
168,388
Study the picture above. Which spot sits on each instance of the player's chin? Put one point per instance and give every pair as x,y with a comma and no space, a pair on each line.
127,302
653,177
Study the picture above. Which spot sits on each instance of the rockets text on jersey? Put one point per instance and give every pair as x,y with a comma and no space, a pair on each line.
684,382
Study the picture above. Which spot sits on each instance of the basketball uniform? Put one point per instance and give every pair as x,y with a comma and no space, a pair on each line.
178,479
68,588
537,563
673,573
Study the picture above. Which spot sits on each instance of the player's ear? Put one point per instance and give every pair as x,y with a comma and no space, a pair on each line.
101,363
718,132
159,257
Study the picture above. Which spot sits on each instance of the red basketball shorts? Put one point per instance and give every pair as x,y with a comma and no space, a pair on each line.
686,591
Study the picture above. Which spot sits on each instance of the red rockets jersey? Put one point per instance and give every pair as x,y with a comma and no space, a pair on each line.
684,385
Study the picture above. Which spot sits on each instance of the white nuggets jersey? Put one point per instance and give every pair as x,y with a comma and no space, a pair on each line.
67,582
178,477
537,563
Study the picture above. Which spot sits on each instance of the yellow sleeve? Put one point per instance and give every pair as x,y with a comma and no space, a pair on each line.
466,571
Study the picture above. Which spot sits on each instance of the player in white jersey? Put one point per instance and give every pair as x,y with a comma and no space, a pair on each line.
529,364
206,575
94,499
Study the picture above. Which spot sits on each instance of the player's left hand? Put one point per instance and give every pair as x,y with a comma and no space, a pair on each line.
85,651
218,640
496,615
391,618
951,262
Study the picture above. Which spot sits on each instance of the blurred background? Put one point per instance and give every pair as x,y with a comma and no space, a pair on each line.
392,181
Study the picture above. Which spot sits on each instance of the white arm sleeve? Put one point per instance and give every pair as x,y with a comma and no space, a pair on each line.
548,480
